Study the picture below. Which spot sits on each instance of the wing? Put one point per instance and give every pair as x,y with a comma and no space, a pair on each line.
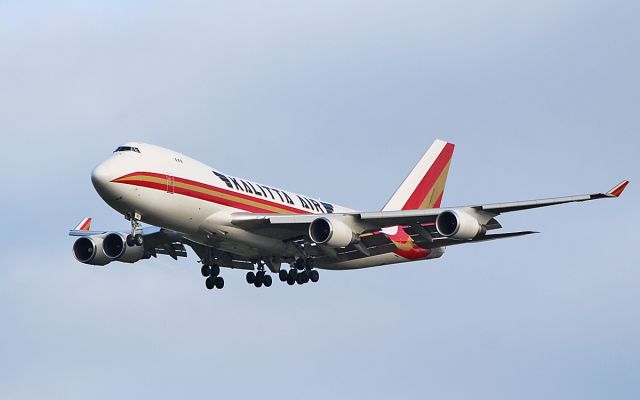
293,226
165,242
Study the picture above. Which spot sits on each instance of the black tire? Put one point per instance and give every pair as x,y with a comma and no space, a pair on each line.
291,281
257,283
299,264
251,277
215,270
283,275
130,241
219,281
267,280
293,273
138,240
260,276
314,275
210,283
304,277
205,270
299,279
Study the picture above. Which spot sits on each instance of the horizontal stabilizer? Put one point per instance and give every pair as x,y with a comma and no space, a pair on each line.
84,225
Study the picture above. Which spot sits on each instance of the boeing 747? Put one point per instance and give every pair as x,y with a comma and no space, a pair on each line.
237,223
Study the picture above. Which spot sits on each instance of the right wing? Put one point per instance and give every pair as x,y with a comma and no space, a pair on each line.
291,226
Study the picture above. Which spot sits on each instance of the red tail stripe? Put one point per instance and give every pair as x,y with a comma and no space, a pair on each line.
430,178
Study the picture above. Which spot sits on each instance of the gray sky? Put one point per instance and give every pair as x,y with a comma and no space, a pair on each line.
335,99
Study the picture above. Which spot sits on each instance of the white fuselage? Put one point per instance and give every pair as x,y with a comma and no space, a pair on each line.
169,190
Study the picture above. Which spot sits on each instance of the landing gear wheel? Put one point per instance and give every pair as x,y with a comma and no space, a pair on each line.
130,241
251,277
205,270
304,277
257,282
219,282
267,280
291,281
283,275
299,279
138,240
314,275
215,270
293,273
210,283
299,264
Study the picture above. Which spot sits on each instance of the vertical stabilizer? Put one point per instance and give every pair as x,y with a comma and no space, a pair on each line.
424,186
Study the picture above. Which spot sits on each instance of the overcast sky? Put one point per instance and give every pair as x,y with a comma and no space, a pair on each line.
334,99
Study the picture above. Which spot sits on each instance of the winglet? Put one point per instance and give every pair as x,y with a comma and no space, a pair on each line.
617,190
84,225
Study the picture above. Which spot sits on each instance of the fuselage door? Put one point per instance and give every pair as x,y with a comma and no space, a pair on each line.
170,184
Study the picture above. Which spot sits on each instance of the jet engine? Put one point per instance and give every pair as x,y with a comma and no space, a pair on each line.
115,248
458,224
332,232
88,250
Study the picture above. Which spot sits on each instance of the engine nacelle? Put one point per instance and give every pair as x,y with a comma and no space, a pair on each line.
458,224
88,250
115,248
332,232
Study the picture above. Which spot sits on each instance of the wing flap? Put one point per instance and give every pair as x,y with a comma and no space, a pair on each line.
174,250
484,238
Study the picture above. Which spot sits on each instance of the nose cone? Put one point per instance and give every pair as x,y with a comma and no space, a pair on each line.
101,177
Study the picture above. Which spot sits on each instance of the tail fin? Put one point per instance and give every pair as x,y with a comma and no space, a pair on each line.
84,225
424,186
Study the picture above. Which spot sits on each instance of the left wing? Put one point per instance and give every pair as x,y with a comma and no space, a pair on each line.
156,240
164,242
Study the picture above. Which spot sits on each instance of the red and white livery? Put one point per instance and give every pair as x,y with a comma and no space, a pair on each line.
231,222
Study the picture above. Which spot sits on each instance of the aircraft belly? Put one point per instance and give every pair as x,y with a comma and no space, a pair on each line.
379,260
366,262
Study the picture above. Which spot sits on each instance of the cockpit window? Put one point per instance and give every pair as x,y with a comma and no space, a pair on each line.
127,148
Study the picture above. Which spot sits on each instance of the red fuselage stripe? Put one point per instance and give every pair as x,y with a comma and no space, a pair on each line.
223,200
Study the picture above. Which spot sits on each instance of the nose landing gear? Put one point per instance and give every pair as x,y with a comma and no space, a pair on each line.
134,238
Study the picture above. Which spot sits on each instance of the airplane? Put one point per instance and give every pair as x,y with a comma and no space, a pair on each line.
236,223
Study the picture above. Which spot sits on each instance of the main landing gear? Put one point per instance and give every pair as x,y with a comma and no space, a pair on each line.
300,273
211,272
259,278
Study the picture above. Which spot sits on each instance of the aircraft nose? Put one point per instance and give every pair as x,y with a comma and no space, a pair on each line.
101,177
